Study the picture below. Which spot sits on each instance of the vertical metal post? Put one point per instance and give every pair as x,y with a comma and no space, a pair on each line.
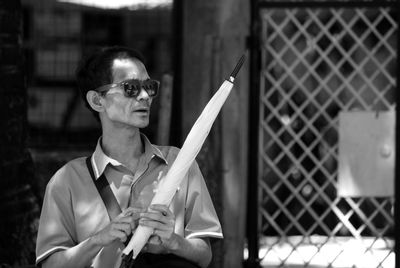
397,161
254,97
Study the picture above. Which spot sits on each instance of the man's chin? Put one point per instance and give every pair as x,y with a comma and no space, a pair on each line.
141,124
131,124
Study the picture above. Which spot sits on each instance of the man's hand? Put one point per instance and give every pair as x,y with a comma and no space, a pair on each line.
165,240
162,220
119,228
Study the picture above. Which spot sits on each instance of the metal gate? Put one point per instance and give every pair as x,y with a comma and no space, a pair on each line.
318,60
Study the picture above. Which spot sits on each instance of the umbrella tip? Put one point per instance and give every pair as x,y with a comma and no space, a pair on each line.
238,66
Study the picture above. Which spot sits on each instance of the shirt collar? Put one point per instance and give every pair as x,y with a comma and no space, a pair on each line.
152,150
100,160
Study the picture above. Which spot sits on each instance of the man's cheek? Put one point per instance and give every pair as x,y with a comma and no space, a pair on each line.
115,113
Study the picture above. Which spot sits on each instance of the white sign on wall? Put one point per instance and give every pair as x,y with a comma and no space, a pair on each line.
366,154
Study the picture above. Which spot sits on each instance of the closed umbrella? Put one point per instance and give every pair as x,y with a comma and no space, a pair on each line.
191,147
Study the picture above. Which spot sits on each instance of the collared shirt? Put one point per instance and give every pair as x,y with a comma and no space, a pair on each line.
73,209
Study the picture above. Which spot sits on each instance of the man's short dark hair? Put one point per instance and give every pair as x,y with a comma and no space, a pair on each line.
95,70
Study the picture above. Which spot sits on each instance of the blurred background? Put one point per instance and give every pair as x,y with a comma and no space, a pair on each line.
301,160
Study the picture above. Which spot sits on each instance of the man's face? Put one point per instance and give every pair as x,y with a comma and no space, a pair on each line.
125,111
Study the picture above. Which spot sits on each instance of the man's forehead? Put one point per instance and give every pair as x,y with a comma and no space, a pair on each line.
128,68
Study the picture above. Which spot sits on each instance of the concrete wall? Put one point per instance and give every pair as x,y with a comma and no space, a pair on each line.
214,37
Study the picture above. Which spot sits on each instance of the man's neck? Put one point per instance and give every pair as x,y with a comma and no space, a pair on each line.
124,146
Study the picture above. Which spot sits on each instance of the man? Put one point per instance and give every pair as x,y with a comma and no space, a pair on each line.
78,226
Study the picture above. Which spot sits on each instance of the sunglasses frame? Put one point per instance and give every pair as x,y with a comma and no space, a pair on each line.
127,88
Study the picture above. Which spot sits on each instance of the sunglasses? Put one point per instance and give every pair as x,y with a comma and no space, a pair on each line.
133,87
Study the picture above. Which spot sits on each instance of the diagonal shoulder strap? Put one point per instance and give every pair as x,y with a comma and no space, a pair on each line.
102,185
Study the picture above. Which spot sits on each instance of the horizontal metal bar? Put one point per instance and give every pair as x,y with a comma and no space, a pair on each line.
327,4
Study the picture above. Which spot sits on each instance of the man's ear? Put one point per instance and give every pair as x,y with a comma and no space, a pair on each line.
94,100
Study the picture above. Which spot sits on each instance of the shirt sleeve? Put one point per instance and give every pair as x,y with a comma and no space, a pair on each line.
201,220
56,220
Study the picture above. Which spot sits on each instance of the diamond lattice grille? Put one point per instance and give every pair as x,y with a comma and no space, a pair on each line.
315,63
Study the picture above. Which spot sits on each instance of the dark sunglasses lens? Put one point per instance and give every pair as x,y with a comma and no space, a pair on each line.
151,87
132,89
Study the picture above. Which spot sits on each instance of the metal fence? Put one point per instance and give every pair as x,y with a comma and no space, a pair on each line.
316,63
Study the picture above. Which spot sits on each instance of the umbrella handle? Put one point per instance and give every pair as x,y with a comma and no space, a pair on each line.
126,260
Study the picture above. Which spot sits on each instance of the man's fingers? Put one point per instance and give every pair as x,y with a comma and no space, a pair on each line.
154,239
163,209
132,214
157,212
154,224
124,227
155,216
127,219
129,212
133,210
119,234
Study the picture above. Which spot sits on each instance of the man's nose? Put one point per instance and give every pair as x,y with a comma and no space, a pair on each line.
143,95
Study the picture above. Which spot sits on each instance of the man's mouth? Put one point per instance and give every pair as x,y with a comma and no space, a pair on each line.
141,110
